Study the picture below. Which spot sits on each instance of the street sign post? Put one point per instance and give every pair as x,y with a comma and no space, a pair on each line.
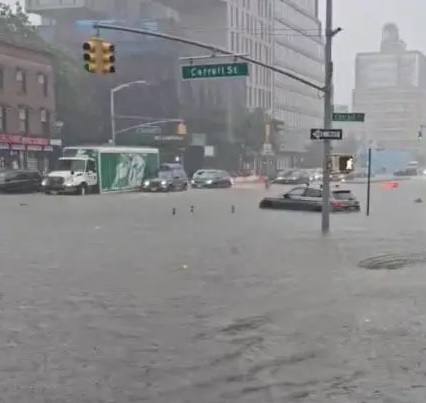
348,117
224,70
326,134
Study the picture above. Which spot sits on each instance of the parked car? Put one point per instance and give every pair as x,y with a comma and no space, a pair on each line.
169,178
337,177
211,178
411,171
315,174
310,198
292,177
20,181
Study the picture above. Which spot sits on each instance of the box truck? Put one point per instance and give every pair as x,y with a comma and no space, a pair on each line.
101,169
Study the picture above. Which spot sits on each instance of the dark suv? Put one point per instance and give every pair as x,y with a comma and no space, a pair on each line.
20,181
170,177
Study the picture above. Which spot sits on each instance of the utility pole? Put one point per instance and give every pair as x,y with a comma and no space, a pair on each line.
328,116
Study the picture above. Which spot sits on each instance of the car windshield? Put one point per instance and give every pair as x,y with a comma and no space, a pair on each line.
206,174
164,174
71,165
343,195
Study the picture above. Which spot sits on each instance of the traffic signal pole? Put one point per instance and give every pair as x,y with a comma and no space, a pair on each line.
328,116
202,45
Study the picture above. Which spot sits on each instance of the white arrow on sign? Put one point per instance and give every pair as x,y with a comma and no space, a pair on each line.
317,134
326,134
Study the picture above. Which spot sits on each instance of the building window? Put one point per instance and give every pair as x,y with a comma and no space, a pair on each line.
21,79
3,123
44,82
23,120
45,121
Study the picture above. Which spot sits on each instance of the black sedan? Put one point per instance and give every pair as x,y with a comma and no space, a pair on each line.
306,198
211,179
20,181
406,172
292,177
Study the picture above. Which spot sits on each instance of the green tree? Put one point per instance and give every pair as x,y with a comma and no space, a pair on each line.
75,103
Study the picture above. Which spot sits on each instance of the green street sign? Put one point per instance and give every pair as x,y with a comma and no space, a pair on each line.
192,72
148,130
348,117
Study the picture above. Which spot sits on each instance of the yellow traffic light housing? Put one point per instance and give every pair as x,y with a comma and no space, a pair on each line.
107,57
346,163
90,55
181,129
99,56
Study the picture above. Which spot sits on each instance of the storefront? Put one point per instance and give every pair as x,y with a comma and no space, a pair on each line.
22,152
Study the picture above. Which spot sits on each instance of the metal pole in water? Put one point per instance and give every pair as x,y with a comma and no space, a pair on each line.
328,113
367,212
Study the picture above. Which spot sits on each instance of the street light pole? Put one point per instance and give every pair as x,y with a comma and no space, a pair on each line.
150,124
113,91
328,116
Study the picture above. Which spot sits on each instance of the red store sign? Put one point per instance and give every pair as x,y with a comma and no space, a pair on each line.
18,139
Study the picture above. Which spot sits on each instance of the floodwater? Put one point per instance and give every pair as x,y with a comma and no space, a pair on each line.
115,299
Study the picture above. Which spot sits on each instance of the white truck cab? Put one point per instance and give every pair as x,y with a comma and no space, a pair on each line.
76,175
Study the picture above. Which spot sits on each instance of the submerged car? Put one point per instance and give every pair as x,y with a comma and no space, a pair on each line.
211,178
292,177
308,198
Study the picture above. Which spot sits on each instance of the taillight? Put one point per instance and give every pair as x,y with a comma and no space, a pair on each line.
336,204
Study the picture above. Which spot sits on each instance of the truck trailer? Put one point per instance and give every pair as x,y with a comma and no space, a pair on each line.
101,169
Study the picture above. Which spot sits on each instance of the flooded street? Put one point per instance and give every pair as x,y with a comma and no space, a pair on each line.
115,299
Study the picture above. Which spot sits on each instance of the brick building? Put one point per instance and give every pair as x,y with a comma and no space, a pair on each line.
27,106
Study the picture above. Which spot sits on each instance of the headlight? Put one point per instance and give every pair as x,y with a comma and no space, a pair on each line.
44,182
146,183
209,182
164,183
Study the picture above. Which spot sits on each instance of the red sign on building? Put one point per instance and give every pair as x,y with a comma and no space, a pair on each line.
23,140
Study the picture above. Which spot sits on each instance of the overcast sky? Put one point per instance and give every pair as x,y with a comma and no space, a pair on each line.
362,21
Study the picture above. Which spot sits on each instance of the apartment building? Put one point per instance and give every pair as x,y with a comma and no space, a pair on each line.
27,106
298,47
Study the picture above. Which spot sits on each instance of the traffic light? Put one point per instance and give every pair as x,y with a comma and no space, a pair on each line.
99,56
90,55
181,129
346,163
107,56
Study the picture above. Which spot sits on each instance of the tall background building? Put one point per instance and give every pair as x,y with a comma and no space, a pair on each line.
390,88
278,32
298,47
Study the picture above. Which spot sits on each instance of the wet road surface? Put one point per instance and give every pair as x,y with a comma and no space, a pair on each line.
115,299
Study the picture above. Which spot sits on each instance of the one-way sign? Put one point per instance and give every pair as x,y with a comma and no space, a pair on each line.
326,134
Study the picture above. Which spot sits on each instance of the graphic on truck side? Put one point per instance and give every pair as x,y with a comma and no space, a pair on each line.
122,170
